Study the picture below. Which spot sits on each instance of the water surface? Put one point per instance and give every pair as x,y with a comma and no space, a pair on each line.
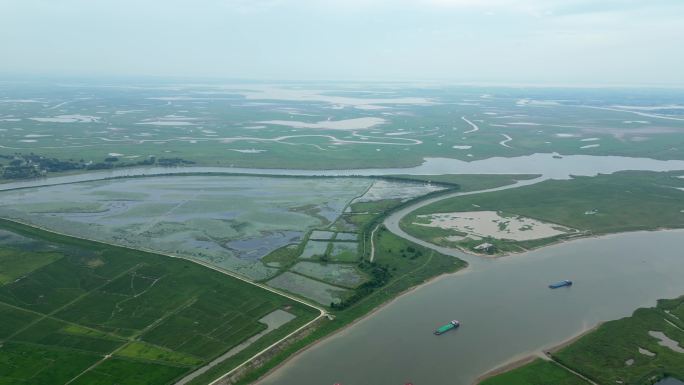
506,311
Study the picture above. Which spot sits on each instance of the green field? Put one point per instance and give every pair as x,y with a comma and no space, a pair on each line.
538,372
625,201
14,263
155,318
618,352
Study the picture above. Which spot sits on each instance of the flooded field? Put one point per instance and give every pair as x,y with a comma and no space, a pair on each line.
230,222
314,249
338,274
309,288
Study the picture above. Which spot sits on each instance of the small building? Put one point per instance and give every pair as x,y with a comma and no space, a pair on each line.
484,248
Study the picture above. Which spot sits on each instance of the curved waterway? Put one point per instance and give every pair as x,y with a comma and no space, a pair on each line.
506,310
549,165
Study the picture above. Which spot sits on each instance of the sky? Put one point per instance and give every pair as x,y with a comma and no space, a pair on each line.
561,42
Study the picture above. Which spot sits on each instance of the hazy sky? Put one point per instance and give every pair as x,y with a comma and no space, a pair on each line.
497,41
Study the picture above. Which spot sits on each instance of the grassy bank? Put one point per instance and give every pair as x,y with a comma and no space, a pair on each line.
625,201
617,352
538,372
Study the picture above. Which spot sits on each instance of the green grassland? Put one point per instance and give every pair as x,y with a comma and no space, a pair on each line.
625,201
159,318
15,262
538,372
610,354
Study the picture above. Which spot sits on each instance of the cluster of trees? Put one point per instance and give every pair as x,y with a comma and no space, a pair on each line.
380,275
23,166
412,251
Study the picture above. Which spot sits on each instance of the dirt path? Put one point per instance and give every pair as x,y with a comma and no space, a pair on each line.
372,243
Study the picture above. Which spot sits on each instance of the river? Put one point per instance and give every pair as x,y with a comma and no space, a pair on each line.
506,311
548,165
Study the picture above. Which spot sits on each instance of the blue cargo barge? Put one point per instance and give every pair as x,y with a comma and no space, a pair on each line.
562,283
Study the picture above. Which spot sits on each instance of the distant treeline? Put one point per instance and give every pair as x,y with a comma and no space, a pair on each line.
25,166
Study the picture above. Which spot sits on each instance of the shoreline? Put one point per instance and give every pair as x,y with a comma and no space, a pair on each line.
337,333
543,353
571,340
556,243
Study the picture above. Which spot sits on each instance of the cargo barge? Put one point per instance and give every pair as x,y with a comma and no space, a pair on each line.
562,283
451,325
